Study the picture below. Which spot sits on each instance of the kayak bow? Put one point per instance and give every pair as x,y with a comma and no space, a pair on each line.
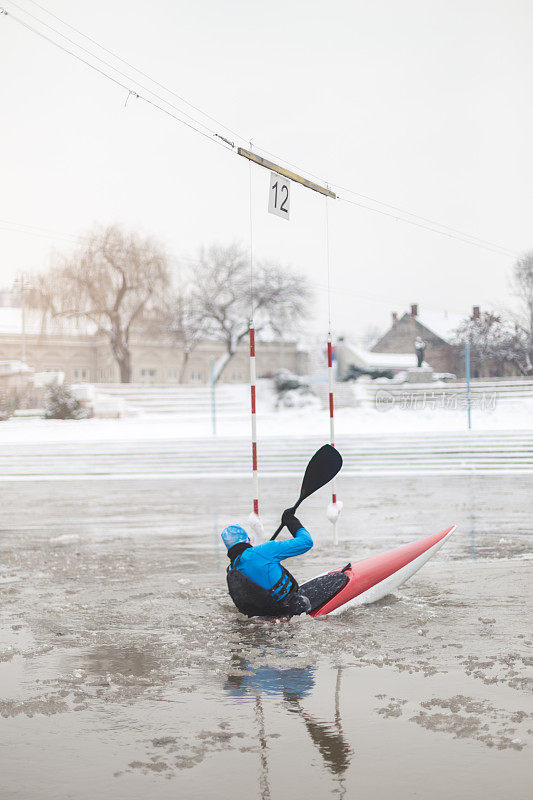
377,576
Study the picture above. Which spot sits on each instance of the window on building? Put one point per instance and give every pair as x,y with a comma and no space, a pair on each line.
148,374
80,374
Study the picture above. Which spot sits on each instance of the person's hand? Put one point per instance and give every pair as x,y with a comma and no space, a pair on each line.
290,521
287,515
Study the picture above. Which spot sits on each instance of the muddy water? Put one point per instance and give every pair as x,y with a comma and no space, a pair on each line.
126,673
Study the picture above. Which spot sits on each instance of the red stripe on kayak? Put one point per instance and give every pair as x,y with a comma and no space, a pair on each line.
365,574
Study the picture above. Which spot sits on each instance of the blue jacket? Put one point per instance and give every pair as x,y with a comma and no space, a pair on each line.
262,563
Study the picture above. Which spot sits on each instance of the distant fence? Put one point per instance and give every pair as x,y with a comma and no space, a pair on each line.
437,453
486,394
232,401
194,402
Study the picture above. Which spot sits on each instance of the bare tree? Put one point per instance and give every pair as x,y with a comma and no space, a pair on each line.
493,343
114,280
522,286
221,299
371,336
185,324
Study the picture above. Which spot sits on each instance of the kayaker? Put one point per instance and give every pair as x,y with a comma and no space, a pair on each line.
258,583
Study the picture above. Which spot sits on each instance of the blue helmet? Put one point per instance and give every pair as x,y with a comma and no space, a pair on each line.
234,534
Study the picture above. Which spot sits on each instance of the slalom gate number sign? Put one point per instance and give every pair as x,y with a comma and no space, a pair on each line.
279,196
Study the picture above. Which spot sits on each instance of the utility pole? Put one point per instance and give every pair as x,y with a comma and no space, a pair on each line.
213,397
467,369
19,286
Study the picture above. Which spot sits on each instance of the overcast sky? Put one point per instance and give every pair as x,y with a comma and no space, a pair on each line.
422,105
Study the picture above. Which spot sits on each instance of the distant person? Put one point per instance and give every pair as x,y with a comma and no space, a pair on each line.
420,349
257,582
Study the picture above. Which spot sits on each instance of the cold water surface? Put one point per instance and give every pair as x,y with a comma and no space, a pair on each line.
125,672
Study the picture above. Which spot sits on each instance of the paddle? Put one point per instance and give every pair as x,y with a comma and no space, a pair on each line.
322,468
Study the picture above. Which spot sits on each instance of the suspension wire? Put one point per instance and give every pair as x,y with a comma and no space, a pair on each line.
492,248
476,240
479,240
254,518
328,265
264,150
33,230
118,71
453,233
208,136
335,506
250,193
136,69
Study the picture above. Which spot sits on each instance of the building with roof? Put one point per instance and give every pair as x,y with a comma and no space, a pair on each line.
436,329
74,348
351,357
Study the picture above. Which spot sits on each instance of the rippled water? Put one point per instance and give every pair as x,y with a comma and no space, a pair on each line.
126,672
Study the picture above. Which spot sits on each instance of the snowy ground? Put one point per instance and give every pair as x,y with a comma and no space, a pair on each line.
285,422
125,672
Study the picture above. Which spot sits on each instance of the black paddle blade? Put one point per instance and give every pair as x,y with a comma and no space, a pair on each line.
322,468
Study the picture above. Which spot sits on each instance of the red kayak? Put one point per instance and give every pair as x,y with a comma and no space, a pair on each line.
372,578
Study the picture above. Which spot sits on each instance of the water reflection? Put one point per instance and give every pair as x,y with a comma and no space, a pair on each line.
293,685
327,736
244,680
264,778
472,503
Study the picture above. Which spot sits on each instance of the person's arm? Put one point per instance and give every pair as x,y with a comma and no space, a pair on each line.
279,550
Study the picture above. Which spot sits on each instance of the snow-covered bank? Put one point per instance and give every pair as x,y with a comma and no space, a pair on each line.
284,422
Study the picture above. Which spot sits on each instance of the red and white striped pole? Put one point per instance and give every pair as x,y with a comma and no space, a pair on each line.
335,507
254,516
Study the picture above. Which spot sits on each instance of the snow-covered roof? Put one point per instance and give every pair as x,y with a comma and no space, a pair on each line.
365,359
11,323
13,368
391,360
10,320
443,323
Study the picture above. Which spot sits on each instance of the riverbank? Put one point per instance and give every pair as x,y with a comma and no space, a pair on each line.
195,421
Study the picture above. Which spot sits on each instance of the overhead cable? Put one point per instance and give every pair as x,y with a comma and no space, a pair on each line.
416,220
210,136
139,71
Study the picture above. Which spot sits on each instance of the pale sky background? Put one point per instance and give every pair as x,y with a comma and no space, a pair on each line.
423,105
